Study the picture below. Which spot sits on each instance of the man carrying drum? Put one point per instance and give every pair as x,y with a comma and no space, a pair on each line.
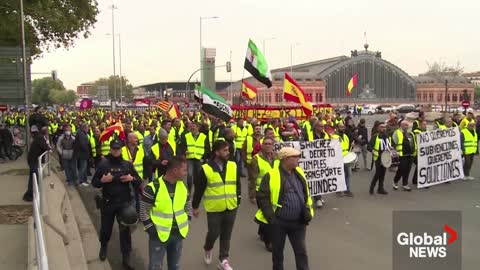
379,143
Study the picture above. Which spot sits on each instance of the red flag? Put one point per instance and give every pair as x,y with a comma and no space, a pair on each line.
352,84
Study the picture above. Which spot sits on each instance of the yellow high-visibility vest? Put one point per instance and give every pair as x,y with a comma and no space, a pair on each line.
165,209
344,143
219,195
138,162
275,186
263,168
470,142
195,148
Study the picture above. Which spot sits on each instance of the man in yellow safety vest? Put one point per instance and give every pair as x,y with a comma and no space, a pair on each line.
164,213
220,188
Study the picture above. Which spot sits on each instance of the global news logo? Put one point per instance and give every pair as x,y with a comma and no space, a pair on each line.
426,245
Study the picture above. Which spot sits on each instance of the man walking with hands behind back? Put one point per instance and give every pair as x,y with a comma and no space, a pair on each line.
285,204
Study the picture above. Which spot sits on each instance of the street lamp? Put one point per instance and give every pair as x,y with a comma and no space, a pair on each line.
113,7
120,64
201,57
291,56
267,39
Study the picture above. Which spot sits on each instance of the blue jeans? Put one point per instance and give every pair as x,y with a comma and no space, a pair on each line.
82,165
157,249
70,167
348,174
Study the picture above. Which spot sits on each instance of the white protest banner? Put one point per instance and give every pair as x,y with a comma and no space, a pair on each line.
322,162
439,157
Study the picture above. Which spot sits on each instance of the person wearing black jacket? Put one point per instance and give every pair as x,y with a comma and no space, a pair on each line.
378,143
37,148
81,152
117,178
218,176
362,138
37,118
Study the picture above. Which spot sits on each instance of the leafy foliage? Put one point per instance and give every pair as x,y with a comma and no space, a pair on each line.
47,91
48,23
126,87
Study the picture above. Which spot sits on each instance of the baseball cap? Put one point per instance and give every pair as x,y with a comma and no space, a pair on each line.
288,152
116,144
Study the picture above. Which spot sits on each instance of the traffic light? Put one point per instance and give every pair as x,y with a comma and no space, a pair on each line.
54,75
229,66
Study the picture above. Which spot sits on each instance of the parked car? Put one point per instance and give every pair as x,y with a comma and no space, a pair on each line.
406,108
461,109
369,109
385,108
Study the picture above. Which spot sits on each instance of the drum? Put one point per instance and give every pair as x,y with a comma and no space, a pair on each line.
390,158
350,158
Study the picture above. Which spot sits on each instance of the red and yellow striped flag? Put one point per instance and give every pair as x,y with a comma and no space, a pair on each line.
293,92
352,84
248,90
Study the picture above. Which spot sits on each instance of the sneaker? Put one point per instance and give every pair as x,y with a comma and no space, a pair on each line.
466,178
406,188
225,265
471,178
85,184
395,186
348,194
208,257
319,203
339,194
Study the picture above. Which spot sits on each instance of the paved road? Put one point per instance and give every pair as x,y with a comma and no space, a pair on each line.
348,233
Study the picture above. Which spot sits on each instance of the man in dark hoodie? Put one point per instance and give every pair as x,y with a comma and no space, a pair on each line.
37,148
81,152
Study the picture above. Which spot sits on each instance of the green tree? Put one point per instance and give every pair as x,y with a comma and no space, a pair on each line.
48,23
62,97
126,87
41,90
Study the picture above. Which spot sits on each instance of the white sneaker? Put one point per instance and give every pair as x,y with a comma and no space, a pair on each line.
471,178
395,186
319,203
85,184
466,178
208,257
406,188
225,265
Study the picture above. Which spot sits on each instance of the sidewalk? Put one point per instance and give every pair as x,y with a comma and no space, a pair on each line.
14,213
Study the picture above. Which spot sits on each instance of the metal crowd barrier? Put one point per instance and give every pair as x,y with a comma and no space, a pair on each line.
41,253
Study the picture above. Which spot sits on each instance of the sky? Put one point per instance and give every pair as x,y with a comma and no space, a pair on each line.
160,39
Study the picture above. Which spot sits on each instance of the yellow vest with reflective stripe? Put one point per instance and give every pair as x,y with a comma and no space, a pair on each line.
172,140
141,137
415,145
464,123
138,162
241,135
165,209
219,195
93,146
275,186
195,148
105,147
308,130
344,143
249,151
470,142
263,168
399,146
440,126
376,147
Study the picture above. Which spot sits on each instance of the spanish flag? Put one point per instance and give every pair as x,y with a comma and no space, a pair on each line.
293,92
248,90
352,84
108,132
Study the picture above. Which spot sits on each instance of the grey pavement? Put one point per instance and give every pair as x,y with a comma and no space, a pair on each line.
13,179
348,233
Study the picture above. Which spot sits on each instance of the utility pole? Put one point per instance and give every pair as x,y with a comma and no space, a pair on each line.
25,79
113,7
446,93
